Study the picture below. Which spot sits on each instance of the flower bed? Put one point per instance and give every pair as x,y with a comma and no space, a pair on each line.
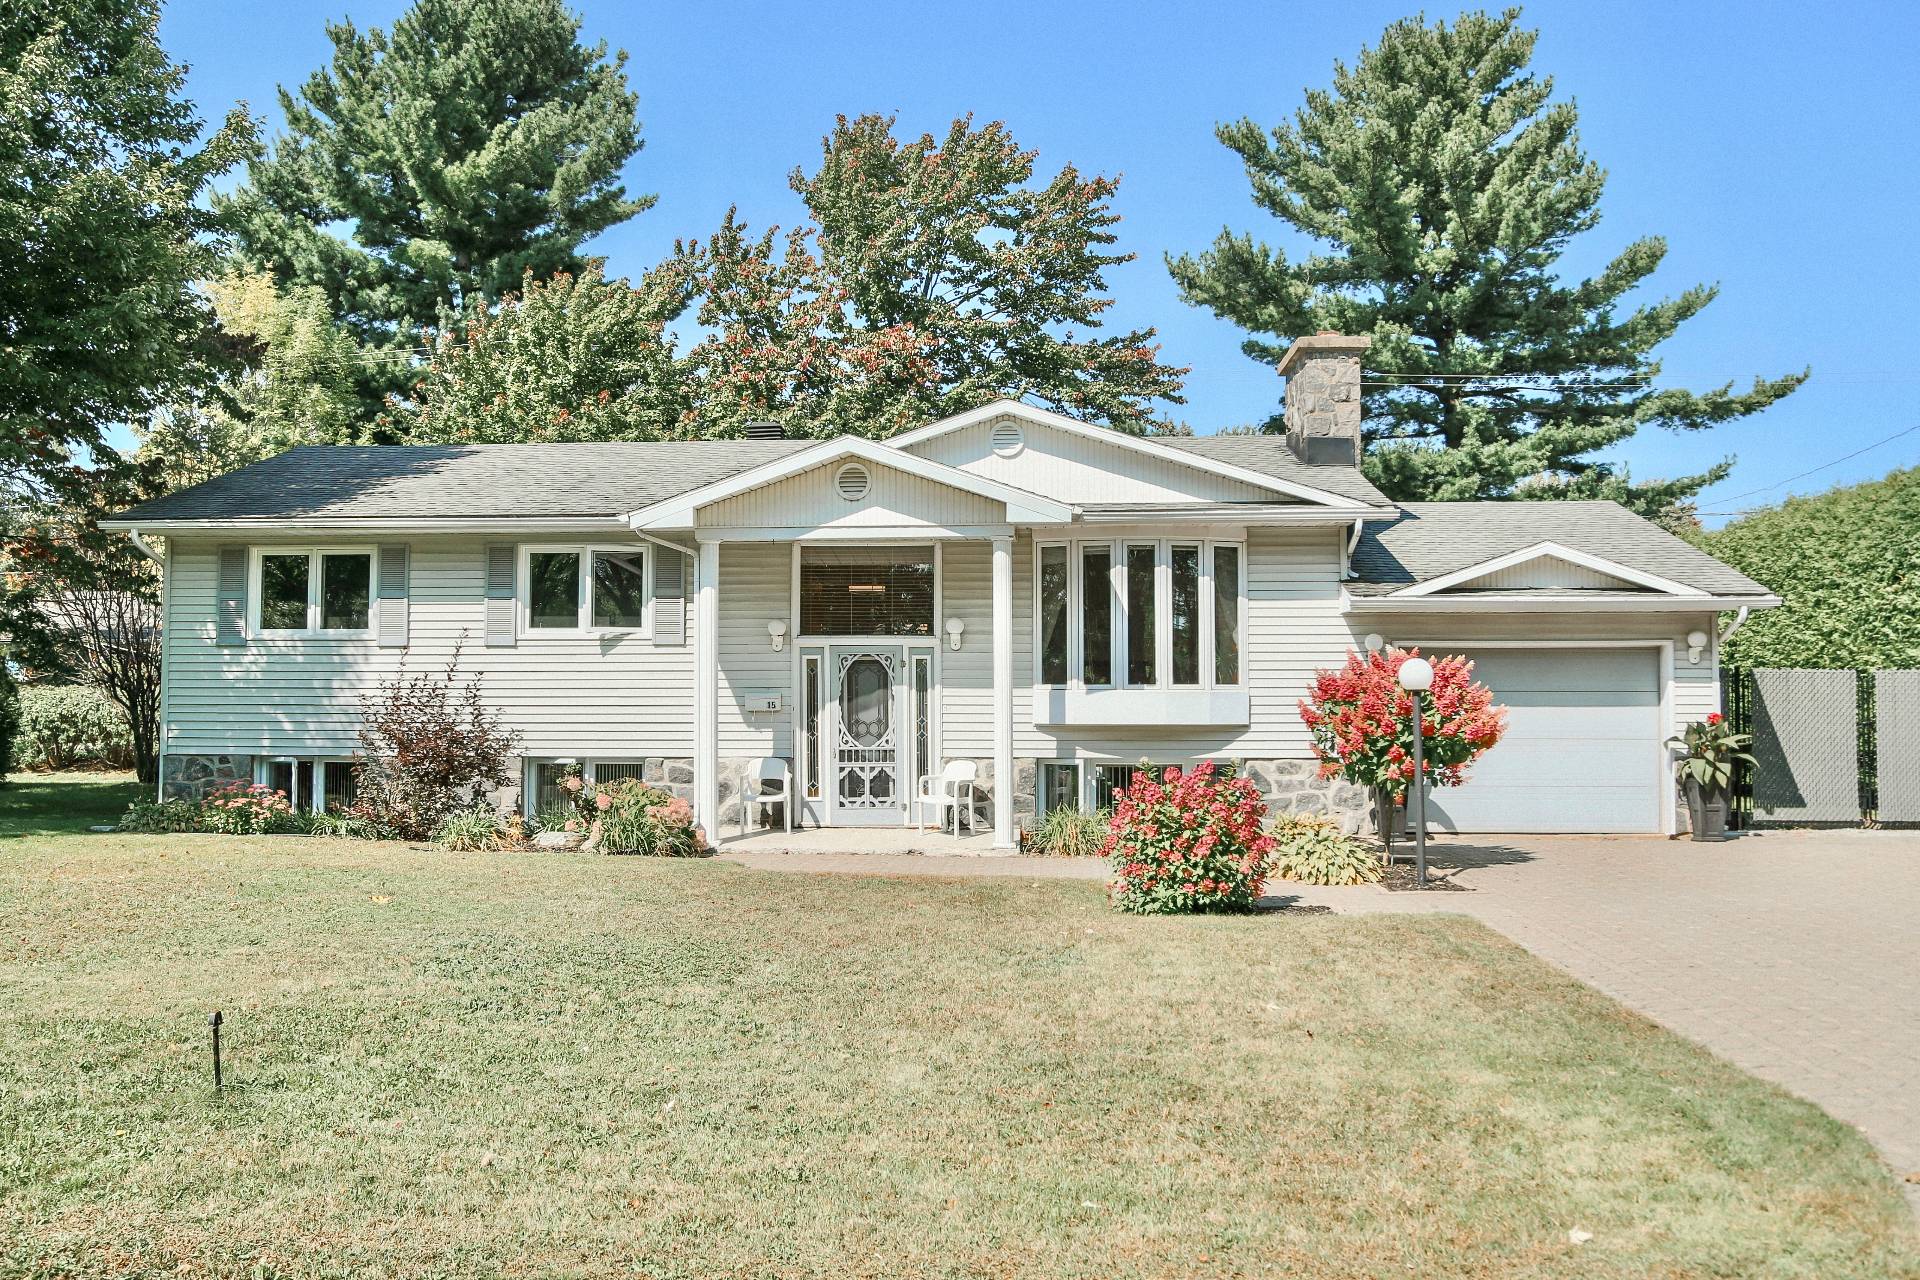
1187,842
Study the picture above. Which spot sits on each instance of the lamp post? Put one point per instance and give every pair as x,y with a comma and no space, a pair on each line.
1416,677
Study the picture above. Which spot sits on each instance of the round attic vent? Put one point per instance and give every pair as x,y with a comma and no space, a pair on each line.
1007,438
852,482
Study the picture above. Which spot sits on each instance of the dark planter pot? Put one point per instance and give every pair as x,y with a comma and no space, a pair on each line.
1390,814
1707,811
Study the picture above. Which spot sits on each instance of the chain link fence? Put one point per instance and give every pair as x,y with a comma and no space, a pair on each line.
1831,748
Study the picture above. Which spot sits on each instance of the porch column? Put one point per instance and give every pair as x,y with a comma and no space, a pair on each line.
1003,693
706,692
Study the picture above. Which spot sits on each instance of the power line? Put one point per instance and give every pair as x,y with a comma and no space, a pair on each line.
1812,470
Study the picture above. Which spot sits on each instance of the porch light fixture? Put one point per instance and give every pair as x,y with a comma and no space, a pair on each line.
1416,677
954,629
1375,642
777,632
1696,645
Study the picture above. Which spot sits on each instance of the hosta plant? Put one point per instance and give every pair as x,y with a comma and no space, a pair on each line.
1314,850
1187,841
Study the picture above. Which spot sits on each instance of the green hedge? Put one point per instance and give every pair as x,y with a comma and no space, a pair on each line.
71,726
9,719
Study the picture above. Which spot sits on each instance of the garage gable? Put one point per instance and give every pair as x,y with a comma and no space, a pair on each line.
1552,567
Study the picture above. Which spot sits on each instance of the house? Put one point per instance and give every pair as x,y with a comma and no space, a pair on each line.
1053,600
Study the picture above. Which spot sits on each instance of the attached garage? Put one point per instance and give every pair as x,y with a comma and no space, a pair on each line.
1582,752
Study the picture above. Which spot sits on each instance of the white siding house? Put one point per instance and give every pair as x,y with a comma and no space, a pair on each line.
1049,601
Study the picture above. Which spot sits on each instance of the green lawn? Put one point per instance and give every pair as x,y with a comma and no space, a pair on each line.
489,1065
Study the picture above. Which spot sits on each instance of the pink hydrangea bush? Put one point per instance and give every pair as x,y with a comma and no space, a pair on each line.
246,809
1361,721
628,816
1187,841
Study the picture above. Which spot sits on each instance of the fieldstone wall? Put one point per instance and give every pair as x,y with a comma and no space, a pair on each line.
1295,786
188,777
1026,781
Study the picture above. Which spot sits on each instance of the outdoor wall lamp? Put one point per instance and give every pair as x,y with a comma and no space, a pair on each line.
954,628
1696,644
1375,642
777,632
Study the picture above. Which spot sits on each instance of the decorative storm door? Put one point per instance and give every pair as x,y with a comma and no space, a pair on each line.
869,737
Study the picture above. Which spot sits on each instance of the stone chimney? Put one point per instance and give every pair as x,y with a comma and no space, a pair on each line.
1323,397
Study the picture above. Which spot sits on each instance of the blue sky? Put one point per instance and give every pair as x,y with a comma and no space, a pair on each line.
1771,144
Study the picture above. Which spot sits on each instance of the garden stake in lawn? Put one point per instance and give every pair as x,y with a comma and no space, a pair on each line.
214,1022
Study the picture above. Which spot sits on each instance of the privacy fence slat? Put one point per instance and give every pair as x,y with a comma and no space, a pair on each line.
1806,746
1896,700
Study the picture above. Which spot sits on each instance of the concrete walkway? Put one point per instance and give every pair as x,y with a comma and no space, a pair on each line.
1793,955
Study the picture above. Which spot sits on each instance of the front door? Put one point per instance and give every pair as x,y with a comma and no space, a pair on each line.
867,777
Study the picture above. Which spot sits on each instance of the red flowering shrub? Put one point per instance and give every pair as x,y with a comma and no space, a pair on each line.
1182,842
1362,721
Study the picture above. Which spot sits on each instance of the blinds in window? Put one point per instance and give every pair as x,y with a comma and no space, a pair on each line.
866,591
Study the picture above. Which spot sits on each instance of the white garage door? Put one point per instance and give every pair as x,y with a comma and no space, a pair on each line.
1581,751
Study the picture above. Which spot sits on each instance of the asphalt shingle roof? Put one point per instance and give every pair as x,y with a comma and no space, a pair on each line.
463,481
1270,456
1431,539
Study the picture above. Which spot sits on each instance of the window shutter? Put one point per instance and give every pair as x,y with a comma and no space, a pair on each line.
669,597
501,605
230,609
391,619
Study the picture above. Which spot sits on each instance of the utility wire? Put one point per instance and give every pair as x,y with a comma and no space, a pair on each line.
1812,470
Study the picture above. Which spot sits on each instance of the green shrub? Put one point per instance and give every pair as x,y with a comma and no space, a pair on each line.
9,719
347,826
469,830
1069,833
64,726
636,818
161,817
1313,850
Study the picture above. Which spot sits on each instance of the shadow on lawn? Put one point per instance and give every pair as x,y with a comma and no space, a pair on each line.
59,804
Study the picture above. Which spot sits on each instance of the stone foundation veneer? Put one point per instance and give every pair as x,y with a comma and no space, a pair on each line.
186,777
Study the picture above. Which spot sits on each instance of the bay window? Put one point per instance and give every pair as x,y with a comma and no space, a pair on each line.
583,590
307,591
1159,613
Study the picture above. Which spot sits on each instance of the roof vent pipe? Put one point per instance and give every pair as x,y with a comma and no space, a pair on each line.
766,431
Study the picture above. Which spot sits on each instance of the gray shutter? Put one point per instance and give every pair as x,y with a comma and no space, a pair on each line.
501,605
230,610
391,618
669,596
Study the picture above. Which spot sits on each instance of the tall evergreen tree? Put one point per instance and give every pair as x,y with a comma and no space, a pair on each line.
477,141
936,275
1440,186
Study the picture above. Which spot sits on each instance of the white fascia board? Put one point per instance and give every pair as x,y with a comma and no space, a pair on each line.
1126,440
1521,602
1277,514
1022,507
1553,550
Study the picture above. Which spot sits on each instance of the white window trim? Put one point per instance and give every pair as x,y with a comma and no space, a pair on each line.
1163,622
583,602
263,769
313,629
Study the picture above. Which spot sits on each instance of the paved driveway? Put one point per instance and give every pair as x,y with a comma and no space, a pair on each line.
1792,954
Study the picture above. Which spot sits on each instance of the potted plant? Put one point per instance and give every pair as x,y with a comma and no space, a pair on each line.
1361,723
1706,755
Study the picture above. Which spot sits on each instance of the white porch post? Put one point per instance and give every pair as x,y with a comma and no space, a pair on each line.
1003,693
706,693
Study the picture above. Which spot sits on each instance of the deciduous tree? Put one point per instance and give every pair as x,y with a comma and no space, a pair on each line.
1439,183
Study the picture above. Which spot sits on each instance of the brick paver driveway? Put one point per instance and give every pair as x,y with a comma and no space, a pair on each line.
1792,954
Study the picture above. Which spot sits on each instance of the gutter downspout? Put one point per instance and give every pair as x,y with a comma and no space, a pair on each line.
144,547
1346,560
1739,621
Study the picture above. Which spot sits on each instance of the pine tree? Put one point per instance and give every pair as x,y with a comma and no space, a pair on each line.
1441,184
935,276
476,142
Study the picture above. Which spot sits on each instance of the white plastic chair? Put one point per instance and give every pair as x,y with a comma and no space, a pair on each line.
754,793
944,793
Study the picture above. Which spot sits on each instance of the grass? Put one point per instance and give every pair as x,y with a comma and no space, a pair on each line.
493,1064
42,804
